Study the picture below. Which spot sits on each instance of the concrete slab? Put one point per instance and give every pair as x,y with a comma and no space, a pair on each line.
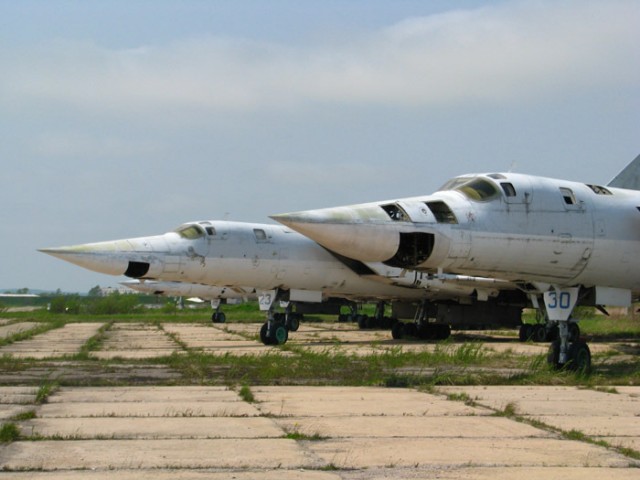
497,473
552,400
622,442
152,428
175,474
370,401
594,425
135,341
8,330
136,432
218,340
391,427
140,454
59,342
8,412
17,395
144,394
454,452
197,335
143,409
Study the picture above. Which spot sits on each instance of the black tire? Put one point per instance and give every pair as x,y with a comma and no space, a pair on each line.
580,357
363,322
444,332
539,333
553,334
263,334
219,317
525,332
397,331
281,335
425,331
553,357
574,332
411,330
293,322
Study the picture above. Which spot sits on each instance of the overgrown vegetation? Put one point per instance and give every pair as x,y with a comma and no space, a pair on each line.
461,360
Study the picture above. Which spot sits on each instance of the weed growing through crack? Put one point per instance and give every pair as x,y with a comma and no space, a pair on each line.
45,391
246,394
9,432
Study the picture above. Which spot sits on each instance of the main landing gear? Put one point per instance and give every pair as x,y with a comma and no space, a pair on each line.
421,328
275,331
379,320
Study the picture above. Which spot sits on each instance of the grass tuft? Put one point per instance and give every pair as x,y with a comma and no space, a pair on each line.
246,394
9,432
45,391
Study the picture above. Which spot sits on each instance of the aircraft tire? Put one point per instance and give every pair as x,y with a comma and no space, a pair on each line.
539,333
444,332
362,321
387,323
281,335
553,357
397,331
526,329
580,357
574,332
411,330
218,317
263,334
293,322
553,333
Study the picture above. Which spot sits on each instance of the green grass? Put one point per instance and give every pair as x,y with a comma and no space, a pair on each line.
296,435
28,415
45,390
9,432
456,361
246,394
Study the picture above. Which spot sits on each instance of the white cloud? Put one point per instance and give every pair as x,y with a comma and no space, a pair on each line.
515,51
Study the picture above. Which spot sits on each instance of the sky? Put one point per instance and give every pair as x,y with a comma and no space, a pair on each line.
128,118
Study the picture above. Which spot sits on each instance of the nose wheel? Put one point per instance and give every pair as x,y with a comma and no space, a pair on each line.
568,350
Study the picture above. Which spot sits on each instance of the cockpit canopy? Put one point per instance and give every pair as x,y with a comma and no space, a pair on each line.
190,231
478,189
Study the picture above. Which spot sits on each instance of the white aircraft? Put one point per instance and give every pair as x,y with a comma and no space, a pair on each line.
282,265
217,296
563,243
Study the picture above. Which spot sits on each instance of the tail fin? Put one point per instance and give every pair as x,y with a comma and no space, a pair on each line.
628,178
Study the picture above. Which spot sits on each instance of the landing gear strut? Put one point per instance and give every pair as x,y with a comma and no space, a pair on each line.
218,316
275,331
568,351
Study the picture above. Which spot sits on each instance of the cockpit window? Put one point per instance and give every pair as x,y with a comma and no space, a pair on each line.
479,189
508,188
396,212
190,231
260,235
455,183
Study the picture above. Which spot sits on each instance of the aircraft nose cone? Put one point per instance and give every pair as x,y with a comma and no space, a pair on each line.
353,232
104,257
